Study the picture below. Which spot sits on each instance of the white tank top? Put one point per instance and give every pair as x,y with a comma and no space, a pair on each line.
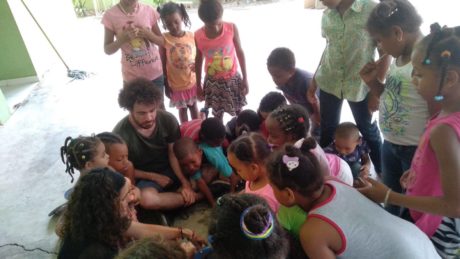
367,230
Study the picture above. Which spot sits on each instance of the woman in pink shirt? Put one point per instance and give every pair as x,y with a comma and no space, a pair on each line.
433,182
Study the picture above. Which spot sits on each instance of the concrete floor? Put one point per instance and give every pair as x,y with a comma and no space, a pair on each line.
33,179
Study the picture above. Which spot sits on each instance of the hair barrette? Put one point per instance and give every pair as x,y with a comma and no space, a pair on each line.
291,162
301,120
392,12
446,54
266,232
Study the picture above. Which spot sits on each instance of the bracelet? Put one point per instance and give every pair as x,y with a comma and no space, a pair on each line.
387,195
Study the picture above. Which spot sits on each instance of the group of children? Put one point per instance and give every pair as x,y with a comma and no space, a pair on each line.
177,65
297,157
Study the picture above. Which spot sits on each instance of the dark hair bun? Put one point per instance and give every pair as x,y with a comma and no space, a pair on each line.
256,218
308,144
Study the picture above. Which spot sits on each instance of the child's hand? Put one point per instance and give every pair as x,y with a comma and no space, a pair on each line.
194,238
372,189
364,171
405,179
144,33
189,195
147,34
162,180
369,72
188,248
126,35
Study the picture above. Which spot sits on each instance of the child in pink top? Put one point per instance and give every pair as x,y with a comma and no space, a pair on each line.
247,155
178,58
218,42
433,182
133,27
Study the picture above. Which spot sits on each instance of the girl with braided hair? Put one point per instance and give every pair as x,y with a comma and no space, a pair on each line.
86,153
289,124
433,181
341,221
83,153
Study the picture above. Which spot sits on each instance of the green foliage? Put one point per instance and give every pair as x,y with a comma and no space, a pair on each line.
158,2
79,7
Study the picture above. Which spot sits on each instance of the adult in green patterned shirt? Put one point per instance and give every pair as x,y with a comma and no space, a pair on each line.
349,47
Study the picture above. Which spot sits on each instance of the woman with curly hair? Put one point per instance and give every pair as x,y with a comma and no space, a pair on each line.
100,218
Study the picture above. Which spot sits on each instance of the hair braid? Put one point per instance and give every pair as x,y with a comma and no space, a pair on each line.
76,152
293,119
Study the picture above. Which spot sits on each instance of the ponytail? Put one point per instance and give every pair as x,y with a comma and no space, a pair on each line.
297,169
171,8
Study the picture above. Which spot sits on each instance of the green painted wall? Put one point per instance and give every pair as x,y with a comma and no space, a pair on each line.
15,60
